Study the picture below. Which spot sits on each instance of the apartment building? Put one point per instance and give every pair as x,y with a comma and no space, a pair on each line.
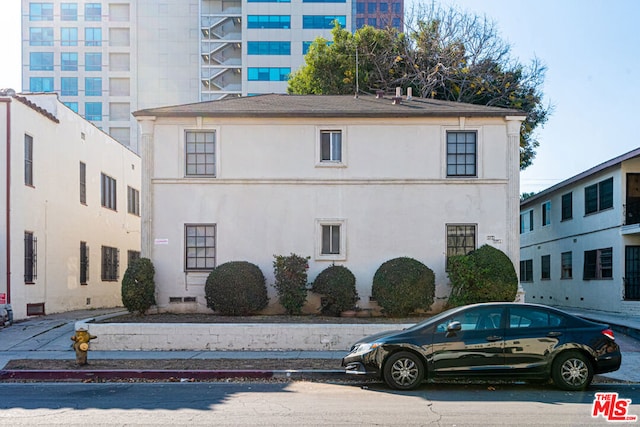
70,207
343,180
580,239
107,58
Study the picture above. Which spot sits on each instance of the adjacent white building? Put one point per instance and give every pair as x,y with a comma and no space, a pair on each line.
580,240
70,207
344,180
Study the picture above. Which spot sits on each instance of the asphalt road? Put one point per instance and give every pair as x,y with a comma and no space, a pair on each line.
300,403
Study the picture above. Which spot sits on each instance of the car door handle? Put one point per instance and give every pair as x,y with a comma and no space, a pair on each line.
554,334
493,338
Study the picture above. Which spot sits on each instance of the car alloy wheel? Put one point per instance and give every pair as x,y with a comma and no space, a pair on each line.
572,371
403,371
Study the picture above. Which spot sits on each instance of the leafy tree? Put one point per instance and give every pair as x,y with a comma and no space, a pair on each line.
444,54
525,195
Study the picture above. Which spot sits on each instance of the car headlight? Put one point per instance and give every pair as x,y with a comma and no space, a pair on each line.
363,348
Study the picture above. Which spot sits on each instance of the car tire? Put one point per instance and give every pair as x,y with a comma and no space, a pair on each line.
572,371
403,371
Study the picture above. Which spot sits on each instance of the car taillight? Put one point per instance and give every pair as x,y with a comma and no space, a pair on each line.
609,334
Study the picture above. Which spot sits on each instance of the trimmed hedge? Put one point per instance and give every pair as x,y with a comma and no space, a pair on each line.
291,281
338,286
138,286
484,275
236,288
402,286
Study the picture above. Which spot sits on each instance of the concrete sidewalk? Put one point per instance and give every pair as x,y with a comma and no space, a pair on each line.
48,337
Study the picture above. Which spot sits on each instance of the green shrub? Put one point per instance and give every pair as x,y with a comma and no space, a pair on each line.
486,274
403,285
236,288
338,286
291,281
138,286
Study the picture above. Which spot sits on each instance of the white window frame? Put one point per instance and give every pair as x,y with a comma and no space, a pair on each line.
342,223
343,147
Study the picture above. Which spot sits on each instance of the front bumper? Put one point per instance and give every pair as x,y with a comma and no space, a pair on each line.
362,363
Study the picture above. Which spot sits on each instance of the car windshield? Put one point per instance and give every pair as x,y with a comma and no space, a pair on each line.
434,319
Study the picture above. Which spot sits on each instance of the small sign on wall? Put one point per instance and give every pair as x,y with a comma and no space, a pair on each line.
3,298
161,241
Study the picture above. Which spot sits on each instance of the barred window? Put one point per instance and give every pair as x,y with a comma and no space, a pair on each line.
84,263
461,239
110,264
30,257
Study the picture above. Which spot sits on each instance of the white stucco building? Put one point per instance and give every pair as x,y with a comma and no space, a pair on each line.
344,180
70,207
580,240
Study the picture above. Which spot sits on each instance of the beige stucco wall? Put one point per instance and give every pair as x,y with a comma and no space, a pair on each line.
51,209
393,196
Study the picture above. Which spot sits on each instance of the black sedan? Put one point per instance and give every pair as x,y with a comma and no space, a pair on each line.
493,340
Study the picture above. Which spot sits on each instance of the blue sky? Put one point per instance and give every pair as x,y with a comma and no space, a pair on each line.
591,49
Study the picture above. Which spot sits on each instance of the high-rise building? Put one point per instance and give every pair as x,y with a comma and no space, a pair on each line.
107,58
379,14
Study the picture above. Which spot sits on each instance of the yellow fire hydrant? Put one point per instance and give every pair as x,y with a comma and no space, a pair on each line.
81,344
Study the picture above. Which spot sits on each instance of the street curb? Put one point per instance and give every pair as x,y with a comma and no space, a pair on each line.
169,375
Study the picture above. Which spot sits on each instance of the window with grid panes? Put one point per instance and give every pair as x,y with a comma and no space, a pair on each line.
461,154
200,247
200,153
461,239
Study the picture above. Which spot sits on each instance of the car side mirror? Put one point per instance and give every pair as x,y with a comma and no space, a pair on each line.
454,326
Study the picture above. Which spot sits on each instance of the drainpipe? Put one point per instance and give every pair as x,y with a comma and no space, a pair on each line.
8,190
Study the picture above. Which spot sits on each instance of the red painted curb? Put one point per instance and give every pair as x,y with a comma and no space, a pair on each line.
24,374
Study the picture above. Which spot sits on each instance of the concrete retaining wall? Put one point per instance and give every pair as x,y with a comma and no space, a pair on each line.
242,336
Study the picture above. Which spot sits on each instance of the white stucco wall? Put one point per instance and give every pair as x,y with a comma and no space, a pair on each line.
52,211
392,194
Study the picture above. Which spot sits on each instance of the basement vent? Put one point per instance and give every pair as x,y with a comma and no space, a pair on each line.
35,309
173,300
88,301
189,299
